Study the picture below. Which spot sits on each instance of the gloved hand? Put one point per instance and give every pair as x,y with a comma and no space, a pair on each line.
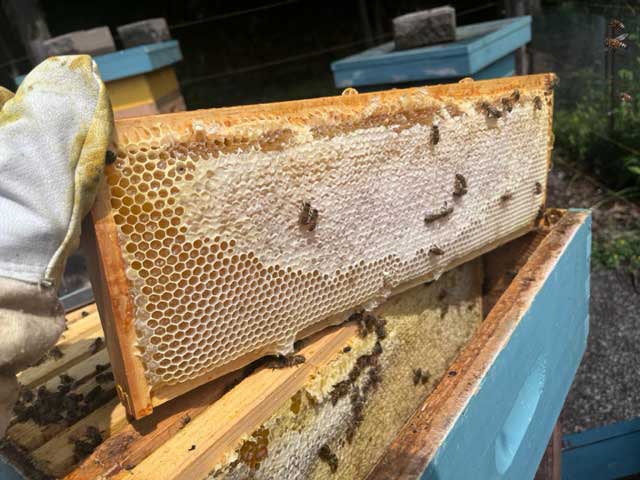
53,138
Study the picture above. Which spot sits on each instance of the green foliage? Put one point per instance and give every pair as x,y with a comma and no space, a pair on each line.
582,120
582,131
621,250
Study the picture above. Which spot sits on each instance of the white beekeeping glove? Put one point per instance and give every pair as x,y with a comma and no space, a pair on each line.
53,138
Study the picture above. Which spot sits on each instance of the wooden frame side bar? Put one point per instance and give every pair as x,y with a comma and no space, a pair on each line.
111,289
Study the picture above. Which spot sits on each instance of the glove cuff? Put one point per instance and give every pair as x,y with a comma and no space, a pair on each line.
31,321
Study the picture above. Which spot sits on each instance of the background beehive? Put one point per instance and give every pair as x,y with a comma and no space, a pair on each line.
204,207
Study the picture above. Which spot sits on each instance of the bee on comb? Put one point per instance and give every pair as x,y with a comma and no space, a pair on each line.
308,217
459,185
435,135
537,103
506,196
490,111
507,104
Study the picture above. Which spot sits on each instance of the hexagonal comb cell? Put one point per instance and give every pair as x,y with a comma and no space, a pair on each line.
227,234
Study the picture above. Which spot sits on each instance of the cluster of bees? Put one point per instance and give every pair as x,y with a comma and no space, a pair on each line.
63,405
368,367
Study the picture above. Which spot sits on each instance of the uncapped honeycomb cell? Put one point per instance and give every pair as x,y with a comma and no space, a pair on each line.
240,234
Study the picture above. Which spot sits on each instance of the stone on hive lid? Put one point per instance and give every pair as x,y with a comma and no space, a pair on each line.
96,41
426,27
151,30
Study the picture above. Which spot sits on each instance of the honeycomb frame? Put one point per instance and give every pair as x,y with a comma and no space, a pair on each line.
224,235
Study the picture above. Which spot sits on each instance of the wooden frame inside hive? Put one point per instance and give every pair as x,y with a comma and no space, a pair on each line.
224,235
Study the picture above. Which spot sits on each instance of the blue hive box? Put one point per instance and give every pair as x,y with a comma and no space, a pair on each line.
481,51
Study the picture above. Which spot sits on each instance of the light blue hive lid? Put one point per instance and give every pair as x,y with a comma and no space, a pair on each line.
134,61
477,46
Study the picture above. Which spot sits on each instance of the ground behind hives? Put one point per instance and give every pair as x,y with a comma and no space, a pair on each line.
606,387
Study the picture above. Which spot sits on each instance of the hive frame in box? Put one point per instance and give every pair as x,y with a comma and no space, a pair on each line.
460,423
495,414
394,111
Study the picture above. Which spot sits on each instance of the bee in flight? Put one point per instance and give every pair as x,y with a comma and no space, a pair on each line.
617,26
616,43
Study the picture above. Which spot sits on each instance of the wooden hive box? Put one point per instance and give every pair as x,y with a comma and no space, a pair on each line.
497,342
224,235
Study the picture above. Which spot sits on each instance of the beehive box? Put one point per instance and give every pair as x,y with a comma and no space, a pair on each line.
337,414
224,235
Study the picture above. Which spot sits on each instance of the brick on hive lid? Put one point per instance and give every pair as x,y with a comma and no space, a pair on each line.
151,30
425,27
96,41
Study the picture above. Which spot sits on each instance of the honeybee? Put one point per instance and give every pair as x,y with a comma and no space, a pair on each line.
506,104
420,377
506,196
537,103
617,26
515,95
538,188
436,250
285,361
459,185
109,158
417,375
616,43
308,217
490,110
540,214
326,455
435,135
625,97
443,212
